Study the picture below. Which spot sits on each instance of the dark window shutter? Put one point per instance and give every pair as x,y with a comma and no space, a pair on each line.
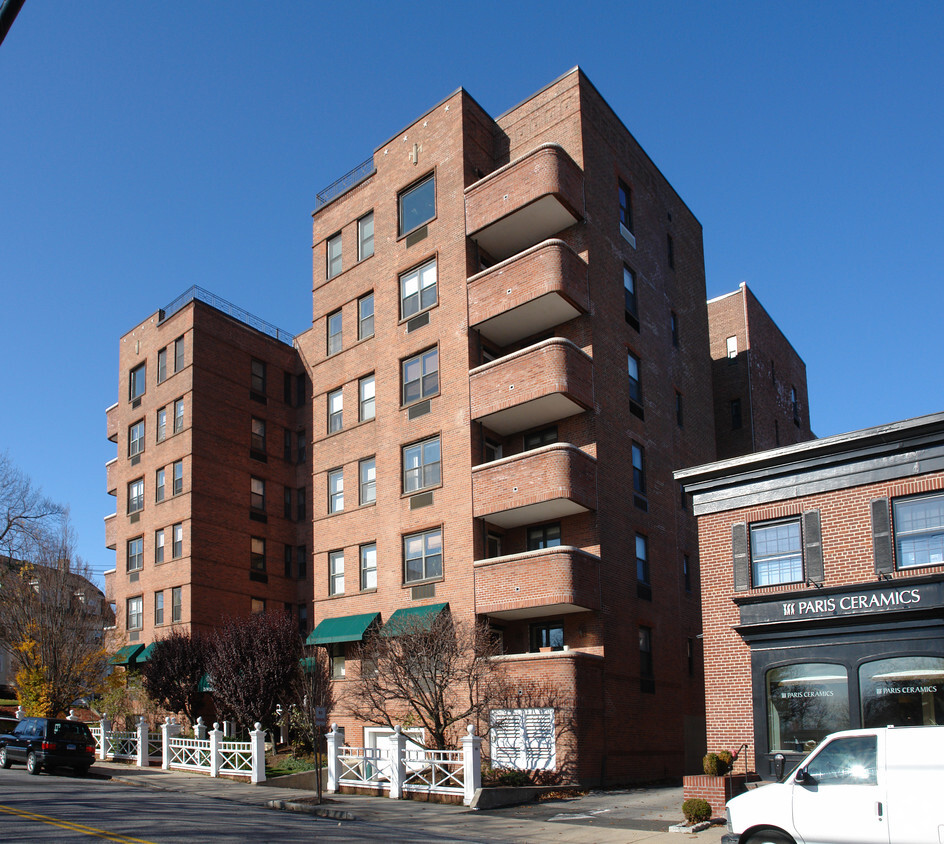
882,537
813,547
742,562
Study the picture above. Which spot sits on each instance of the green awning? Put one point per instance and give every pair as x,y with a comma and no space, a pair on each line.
309,664
411,618
126,655
145,655
206,684
346,628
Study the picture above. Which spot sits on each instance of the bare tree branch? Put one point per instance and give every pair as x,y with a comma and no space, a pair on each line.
27,517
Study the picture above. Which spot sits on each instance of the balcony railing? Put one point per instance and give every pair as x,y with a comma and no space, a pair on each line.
346,182
196,293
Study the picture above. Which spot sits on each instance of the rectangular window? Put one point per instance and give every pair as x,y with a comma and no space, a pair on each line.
731,345
257,381
287,508
136,495
335,572
136,385
135,613
366,398
302,620
257,553
336,655
736,420
629,290
336,491
421,376
257,435
544,536
177,548
158,608
161,424
418,289
796,406
365,317
301,560
257,606
176,603
161,365
536,439
417,205
493,545
136,553
257,493
334,256
919,531
639,469
335,411
776,553
178,416
335,332
635,385
492,450
136,438
647,681
548,635
301,439
687,572
287,553
422,465
368,480
422,555
369,566
365,236
159,485
178,477
287,445
159,546
625,206
300,389
642,559
178,354
301,504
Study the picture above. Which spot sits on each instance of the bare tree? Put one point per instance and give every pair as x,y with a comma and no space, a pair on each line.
310,691
174,671
437,675
27,517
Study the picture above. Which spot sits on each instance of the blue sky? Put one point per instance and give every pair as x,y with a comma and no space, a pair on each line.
148,146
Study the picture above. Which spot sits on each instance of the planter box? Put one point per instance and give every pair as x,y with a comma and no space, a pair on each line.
716,790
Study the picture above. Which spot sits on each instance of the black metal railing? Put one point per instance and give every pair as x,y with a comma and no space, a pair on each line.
227,308
347,181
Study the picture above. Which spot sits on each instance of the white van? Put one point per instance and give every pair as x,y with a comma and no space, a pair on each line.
878,786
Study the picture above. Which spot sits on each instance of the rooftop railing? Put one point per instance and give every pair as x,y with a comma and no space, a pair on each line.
346,182
228,308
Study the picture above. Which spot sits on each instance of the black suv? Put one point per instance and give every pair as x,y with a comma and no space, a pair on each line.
48,743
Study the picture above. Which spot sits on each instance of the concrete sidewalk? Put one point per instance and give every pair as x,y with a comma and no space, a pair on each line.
601,816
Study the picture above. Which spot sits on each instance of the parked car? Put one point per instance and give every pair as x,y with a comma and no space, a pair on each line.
48,743
857,787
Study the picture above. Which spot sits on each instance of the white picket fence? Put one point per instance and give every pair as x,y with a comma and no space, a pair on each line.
140,745
398,771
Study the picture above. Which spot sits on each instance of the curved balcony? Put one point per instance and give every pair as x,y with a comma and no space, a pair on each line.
111,531
111,422
535,290
548,381
547,483
111,469
552,581
526,201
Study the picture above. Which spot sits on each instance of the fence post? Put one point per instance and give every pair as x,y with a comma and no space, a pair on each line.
142,743
471,765
200,729
257,741
168,729
397,766
103,747
332,743
216,737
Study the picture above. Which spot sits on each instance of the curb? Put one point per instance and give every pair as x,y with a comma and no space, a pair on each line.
311,809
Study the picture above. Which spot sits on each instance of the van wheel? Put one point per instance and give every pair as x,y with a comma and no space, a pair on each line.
770,836
32,764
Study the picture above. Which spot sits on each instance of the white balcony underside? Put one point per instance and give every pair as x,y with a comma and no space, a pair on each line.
531,414
525,227
556,508
537,612
530,318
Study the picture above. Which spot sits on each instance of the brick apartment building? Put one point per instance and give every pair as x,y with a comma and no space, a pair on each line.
823,588
508,357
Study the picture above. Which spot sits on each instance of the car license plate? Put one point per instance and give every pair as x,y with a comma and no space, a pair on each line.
70,747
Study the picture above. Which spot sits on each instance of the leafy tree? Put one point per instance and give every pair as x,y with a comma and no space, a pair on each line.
173,672
252,663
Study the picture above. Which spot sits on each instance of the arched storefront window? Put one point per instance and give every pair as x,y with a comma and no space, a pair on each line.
805,702
905,691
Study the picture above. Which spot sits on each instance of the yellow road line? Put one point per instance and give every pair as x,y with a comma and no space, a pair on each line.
73,827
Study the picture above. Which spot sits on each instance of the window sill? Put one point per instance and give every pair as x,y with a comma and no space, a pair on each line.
411,583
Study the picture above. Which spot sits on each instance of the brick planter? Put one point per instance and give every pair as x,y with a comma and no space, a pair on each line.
716,790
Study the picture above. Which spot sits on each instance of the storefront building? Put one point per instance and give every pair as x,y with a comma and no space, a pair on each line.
823,588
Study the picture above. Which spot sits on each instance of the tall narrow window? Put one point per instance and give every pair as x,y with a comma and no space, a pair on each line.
287,554
136,495
336,491
365,316
635,385
335,411
257,436
161,365
137,382
366,401
178,477
258,377
136,553
161,424
178,354
288,509
301,445
257,493
301,561
418,289
159,546
301,504
629,290
365,236
334,256
670,250
335,572
369,566
158,608
422,464
642,559
159,485
625,207
417,205
176,603
178,416
687,572
796,406
136,438
257,553
135,613
731,347
177,537
639,469
368,480
335,335
421,376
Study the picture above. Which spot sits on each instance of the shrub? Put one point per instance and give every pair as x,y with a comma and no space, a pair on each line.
695,809
727,759
717,764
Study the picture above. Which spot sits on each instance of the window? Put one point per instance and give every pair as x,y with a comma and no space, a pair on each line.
365,236
642,559
903,691
421,376
136,438
257,606
178,416
159,546
336,491
422,555
674,324
335,572
335,335
158,608
547,635
335,411
301,560
796,406
639,469
418,289
257,493
136,553
135,613
136,495
336,655
334,255
629,290
287,508
177,549
635,387
919,531
365,317
647,682
161,424
417,205
287,560
731,345
625,206
805,702
300,444
257,381
687,572
137,386
257,553
159,485
736,420
369,566
670,250
493,545
523,739
536,439
257,436
178,477
366,398
846,761
776,553
492,450
161,365
544,536
422,465
301,504
302,620
367,471
176,602
178,354
287,445
679,417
